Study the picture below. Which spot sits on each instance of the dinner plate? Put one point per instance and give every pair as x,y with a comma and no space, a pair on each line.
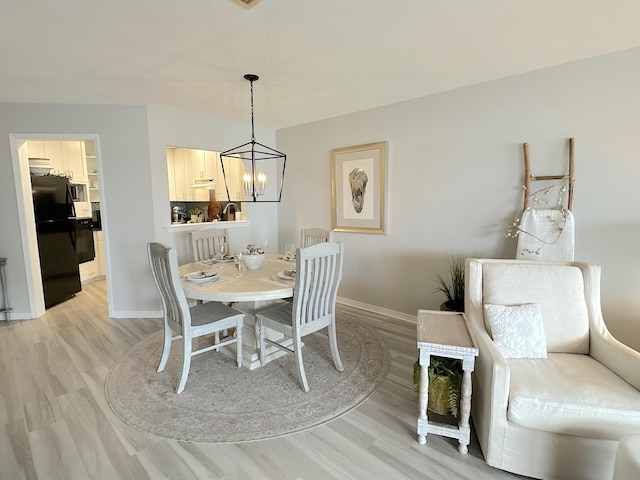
202,277
287,275
226,260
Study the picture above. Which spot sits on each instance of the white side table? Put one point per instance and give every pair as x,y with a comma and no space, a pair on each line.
445,334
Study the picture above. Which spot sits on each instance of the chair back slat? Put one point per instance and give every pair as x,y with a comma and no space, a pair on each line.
319,271
313,236
164,268
203,242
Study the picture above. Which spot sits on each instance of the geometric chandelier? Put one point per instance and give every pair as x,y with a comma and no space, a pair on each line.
256,158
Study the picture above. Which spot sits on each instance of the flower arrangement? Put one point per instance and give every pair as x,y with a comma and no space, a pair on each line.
253,250
542,198
253,256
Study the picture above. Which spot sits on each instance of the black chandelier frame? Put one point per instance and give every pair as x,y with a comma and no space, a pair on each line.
254,152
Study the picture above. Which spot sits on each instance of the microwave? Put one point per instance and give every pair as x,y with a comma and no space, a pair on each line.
78,192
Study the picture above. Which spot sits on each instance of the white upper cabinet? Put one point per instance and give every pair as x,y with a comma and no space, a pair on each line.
35,149
180,168
187,167
75,160
53,151
173,194
201,173
92,170
65,156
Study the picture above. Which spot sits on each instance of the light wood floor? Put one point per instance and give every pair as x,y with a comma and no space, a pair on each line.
55,422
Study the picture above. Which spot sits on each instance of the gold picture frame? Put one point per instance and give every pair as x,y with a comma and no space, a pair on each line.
358,188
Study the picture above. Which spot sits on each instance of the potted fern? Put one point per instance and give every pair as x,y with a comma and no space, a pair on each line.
445,374
445,379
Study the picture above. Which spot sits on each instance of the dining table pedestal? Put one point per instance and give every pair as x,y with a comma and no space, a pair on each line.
248,291
251,336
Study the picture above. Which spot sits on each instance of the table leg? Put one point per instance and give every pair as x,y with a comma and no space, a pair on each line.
423,398
465,411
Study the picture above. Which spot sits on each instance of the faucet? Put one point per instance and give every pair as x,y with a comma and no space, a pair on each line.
226,207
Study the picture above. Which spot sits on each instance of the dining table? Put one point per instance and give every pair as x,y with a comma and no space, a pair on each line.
248,291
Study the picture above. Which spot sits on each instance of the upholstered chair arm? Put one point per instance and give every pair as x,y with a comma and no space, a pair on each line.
603,347
616,356
490,395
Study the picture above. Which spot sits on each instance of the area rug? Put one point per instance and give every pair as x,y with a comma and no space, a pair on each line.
222,403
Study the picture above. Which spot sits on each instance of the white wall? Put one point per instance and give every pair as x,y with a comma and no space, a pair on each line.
455,171
454,181
135,198
122,134
173,127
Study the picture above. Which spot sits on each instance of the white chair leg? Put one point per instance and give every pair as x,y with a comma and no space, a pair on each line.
165,349
297,352
238,336
263,354
216,339
333,343
186,364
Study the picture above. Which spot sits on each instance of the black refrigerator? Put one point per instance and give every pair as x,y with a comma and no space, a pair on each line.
56,230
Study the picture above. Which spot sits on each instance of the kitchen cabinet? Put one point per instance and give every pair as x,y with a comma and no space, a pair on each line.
95,269
99,244
92,171
65,156
88,271
203,165
53,151
180,169
234,179
35,149
188,166
74,159
184,175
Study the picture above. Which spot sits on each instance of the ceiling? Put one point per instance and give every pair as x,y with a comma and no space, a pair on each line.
315,59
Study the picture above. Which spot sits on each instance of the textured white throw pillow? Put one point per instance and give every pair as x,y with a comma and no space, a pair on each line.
518,330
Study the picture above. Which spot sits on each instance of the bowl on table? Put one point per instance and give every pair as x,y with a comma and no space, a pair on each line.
253,261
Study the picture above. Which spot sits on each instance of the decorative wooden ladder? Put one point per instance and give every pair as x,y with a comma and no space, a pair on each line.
528,177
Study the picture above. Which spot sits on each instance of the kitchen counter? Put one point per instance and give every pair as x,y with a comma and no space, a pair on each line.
190,227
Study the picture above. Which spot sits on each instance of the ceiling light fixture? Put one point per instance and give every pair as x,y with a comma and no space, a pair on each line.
247,3
254,180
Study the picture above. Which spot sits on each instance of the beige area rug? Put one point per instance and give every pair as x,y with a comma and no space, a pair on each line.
224,404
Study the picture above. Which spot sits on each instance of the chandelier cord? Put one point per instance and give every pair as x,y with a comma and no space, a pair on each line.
253,136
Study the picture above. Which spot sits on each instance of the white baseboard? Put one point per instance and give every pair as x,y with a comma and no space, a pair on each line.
15,316
138,314
375,309
158,313
344,301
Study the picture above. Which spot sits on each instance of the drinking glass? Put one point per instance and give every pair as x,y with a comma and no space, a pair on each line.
290,251
237,258
220,248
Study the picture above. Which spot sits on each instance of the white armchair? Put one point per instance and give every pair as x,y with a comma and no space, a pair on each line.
559,416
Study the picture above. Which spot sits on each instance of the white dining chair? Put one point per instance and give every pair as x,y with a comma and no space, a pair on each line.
318,274
189,323
204,242
311,236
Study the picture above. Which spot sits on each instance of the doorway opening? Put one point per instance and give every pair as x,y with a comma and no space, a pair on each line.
77,159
